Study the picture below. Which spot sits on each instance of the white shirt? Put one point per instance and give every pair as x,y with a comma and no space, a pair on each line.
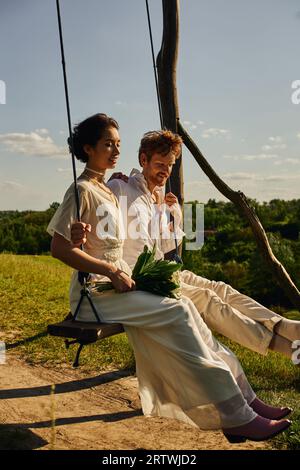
146,223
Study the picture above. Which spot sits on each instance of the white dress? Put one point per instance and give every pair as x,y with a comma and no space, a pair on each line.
183,371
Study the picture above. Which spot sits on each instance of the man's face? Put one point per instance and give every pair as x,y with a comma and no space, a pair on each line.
158,169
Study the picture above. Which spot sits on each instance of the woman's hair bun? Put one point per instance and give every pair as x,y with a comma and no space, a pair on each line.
89,132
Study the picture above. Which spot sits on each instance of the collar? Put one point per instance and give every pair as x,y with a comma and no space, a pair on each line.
138,180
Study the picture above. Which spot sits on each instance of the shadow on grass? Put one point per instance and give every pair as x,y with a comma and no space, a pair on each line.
65,387
26,340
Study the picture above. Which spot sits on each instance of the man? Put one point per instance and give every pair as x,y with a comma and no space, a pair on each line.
223,309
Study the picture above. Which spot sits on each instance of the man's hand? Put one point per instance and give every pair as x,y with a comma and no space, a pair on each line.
119,176
170,200
79,231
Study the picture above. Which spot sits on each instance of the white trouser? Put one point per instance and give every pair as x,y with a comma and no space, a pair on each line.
230,313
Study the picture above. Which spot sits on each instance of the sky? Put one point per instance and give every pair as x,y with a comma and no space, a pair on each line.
237,62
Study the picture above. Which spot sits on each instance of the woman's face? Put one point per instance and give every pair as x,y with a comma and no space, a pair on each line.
105,154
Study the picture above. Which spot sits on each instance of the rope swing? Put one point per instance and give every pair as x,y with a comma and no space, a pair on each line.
84,333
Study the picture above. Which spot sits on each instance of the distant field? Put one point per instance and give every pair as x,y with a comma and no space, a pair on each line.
34,293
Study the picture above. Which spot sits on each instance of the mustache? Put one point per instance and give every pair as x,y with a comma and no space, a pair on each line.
163,175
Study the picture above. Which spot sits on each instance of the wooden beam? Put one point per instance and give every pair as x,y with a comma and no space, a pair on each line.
166,70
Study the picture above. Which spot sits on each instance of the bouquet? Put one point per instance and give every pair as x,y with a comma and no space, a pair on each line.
159,277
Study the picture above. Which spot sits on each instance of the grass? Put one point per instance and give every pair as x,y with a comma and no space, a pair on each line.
34,293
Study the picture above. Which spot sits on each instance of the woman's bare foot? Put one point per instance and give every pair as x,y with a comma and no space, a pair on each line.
270,412
260,429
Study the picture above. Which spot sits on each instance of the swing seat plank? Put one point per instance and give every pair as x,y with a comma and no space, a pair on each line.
85,332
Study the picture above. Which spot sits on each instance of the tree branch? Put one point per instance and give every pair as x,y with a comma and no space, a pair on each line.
240,200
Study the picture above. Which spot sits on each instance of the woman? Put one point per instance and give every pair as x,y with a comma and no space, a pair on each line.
183,372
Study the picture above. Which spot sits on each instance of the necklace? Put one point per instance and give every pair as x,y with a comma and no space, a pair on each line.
100,173
99,181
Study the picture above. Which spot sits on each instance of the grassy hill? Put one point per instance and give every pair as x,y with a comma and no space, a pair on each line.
34,293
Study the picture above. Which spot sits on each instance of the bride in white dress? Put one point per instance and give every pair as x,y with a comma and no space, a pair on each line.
183,371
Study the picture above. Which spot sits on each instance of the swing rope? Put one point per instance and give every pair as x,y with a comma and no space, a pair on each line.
154,66
82,276
177,258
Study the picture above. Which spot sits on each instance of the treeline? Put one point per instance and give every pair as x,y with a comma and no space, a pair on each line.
25,232
229,253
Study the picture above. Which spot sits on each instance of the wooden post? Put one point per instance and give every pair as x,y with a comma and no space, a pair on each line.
166,70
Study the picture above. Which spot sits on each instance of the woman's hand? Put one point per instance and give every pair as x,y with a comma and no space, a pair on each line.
121,281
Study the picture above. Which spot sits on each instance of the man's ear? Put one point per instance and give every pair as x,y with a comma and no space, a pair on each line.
143,159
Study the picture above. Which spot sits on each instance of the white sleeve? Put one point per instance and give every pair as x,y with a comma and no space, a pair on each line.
66,213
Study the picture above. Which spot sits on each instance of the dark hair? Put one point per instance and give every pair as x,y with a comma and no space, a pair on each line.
89,132
162,142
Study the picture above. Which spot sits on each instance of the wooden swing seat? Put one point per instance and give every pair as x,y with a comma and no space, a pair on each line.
83,332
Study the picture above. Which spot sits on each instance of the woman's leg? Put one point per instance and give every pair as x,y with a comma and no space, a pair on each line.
180,374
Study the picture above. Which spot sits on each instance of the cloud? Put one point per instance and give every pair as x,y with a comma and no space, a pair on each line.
257,177
287,177
268,147
262,188
192,125
64,170
276,139
291,161
260,156
120,103
215,132
276,143
42,131
11,186
37,143
239,176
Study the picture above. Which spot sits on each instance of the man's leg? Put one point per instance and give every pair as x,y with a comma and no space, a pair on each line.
244,304
247,306
228,321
